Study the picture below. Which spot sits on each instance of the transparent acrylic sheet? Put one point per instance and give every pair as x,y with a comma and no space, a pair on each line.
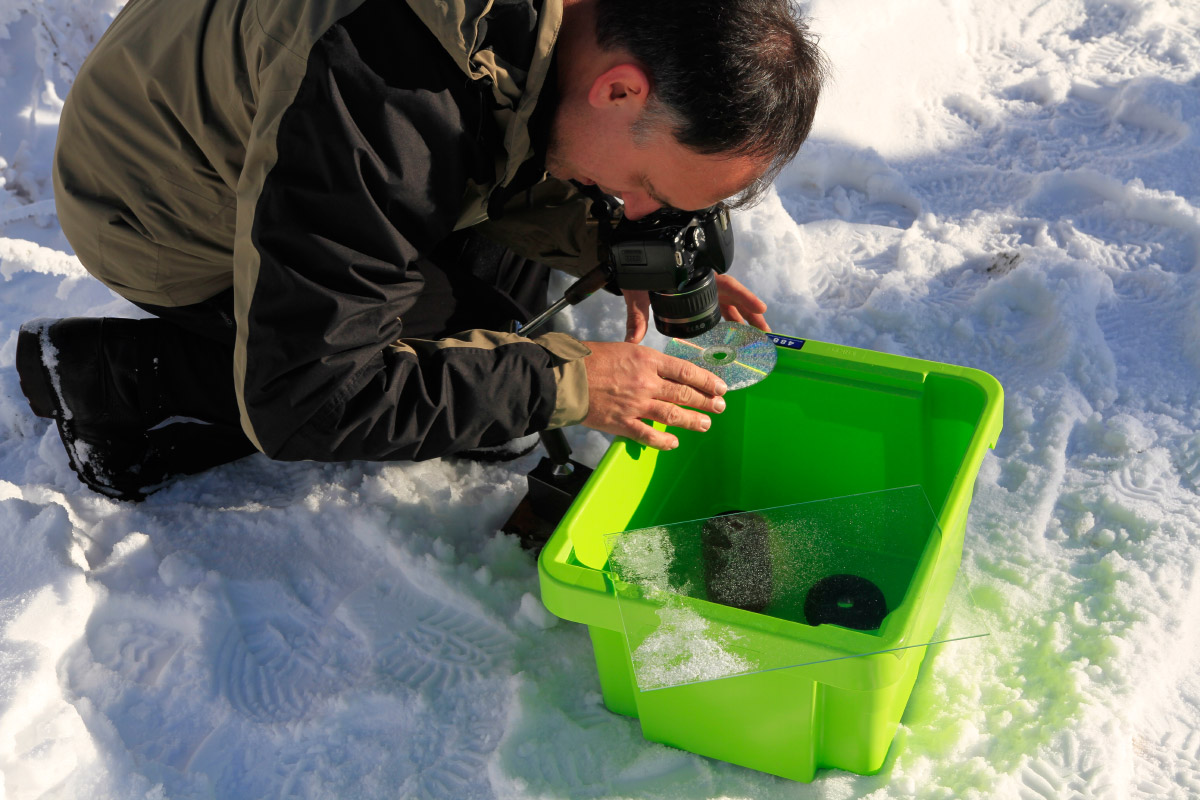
747,592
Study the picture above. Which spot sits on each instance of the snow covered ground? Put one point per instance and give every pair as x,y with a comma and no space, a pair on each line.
1009,186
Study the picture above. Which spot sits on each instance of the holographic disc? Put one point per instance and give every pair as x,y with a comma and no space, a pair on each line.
737,354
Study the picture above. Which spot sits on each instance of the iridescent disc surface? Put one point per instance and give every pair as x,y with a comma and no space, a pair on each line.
737,354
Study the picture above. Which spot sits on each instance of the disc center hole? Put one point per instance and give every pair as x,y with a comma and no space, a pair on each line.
846,602
719,355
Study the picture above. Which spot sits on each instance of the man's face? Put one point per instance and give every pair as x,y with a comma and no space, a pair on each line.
649,174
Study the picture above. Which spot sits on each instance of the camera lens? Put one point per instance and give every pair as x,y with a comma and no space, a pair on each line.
690,311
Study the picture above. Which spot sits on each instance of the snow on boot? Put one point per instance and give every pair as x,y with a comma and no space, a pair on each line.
96,380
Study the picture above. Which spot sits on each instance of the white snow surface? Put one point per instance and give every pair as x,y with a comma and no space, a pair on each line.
1008,186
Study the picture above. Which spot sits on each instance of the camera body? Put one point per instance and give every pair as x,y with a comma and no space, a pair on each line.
676,256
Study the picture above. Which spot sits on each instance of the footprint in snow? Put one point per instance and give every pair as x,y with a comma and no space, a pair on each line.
423,643
278,660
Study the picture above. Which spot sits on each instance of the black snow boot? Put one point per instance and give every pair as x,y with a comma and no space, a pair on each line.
126,425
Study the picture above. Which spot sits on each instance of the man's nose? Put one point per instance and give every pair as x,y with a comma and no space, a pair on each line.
639,205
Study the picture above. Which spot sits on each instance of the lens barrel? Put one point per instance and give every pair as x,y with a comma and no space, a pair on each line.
690,311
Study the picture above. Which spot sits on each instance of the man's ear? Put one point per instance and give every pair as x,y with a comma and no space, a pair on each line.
625,85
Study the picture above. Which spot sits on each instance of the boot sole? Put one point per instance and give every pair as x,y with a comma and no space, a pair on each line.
36,381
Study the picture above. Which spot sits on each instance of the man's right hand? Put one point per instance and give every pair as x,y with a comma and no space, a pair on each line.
628,383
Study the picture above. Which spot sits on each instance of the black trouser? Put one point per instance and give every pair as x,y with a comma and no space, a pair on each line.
470,282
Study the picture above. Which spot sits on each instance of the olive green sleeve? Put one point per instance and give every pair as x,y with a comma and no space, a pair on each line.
571,401
548,223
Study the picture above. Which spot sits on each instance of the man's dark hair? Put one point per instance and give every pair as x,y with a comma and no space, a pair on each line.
732,77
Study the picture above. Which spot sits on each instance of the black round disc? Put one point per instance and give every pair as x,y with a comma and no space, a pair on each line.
846,600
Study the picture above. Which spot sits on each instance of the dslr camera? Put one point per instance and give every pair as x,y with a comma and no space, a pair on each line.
675,255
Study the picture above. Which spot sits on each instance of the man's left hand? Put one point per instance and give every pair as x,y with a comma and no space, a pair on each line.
738,304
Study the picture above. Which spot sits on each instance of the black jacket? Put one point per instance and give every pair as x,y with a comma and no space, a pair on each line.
310,155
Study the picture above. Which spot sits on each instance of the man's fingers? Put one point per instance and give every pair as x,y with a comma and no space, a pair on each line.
680,371
731,291
683,395
732,314
637,311
758,321
674,416
739,304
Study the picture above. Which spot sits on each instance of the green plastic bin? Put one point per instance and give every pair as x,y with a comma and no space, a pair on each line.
830,422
